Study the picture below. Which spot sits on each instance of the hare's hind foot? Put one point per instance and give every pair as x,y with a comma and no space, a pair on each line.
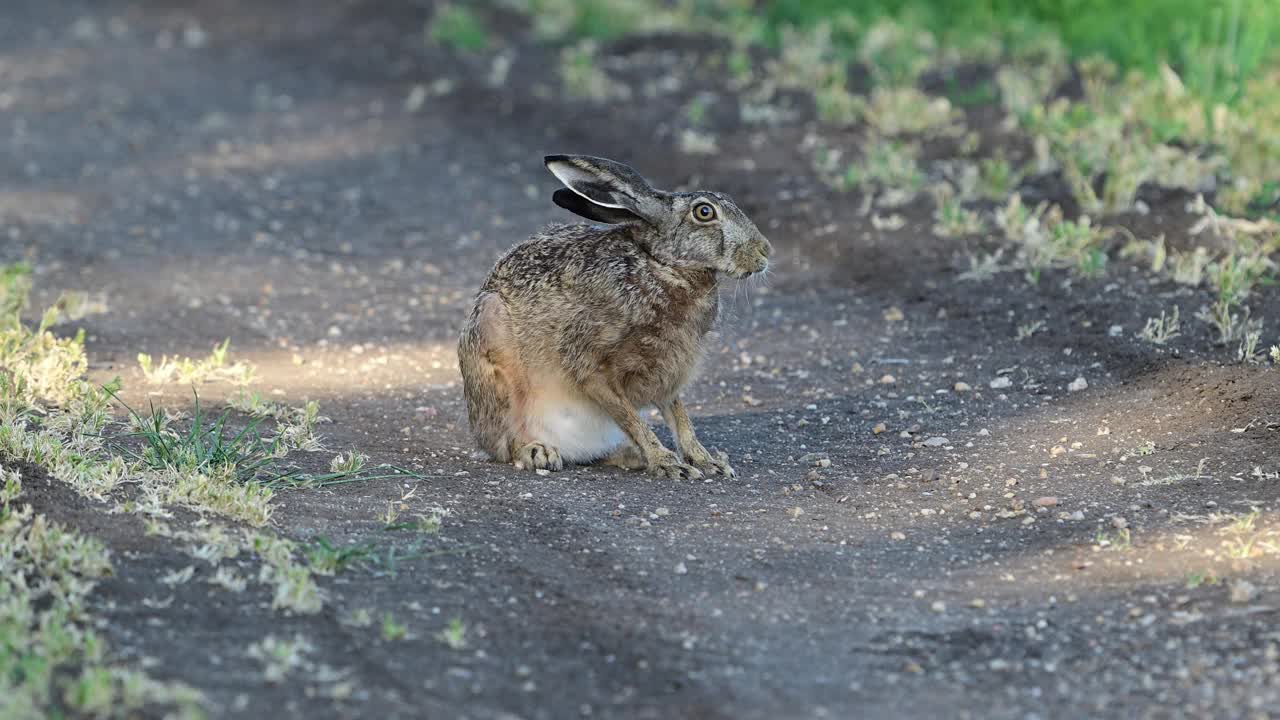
667,465
538,456
627,457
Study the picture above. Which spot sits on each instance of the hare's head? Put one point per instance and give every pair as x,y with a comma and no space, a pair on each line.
688,229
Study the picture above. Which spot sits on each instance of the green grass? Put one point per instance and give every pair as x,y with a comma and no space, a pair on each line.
1215,43
456,26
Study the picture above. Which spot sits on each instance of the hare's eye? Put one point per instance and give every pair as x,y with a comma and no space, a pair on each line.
704,212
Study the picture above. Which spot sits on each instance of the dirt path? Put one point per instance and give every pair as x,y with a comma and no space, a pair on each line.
1008,550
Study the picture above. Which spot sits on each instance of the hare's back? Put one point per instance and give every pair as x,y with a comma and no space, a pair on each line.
565,260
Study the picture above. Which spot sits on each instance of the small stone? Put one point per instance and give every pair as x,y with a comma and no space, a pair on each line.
543,472
963,387
938,606
662,511
888,379
1243,591
815,459
1119,523
936,441
878,428
897,535
824,463
1001,383
1078,384
682,569
894,314
1057,450
1077,515
1046,501
795,512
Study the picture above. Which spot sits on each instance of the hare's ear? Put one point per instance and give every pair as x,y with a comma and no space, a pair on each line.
579,205
607,184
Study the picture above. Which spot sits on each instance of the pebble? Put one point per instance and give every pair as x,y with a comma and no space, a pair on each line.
1243,591
1001,383
1046,501
1078,384
897,535
936,441
963,387
888,379
682,569
894,314
1119,523
815,458
879,428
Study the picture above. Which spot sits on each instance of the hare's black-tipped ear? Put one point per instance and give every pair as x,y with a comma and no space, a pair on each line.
575,203
607,184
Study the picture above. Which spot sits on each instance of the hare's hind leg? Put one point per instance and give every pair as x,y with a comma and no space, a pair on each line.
493,379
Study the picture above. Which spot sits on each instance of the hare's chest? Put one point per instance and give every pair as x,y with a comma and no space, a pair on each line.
665,355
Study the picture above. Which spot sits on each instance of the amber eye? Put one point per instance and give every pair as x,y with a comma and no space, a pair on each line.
704,212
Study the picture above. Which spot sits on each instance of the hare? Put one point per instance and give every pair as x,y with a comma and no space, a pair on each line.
580,325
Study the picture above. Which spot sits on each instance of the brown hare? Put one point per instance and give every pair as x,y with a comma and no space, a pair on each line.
580,325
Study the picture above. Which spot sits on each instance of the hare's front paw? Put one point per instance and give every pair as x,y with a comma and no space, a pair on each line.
710,462
538,456
670,467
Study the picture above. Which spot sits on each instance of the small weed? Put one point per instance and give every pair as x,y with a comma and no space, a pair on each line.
890,165
194,372
951,219
15,289
454,634
901,111
1120,540
1159,331
280,657
1196,578
425,524
1026,330
1247,352
1245,540
349,463
582,76
207,448
982,269
456,26
697,109
326,559
1275,354
997,178
1189,267
392,630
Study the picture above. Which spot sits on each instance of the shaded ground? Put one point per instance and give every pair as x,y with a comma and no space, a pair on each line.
236,171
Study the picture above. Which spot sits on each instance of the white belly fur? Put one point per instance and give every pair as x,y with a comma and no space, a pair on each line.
573,424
